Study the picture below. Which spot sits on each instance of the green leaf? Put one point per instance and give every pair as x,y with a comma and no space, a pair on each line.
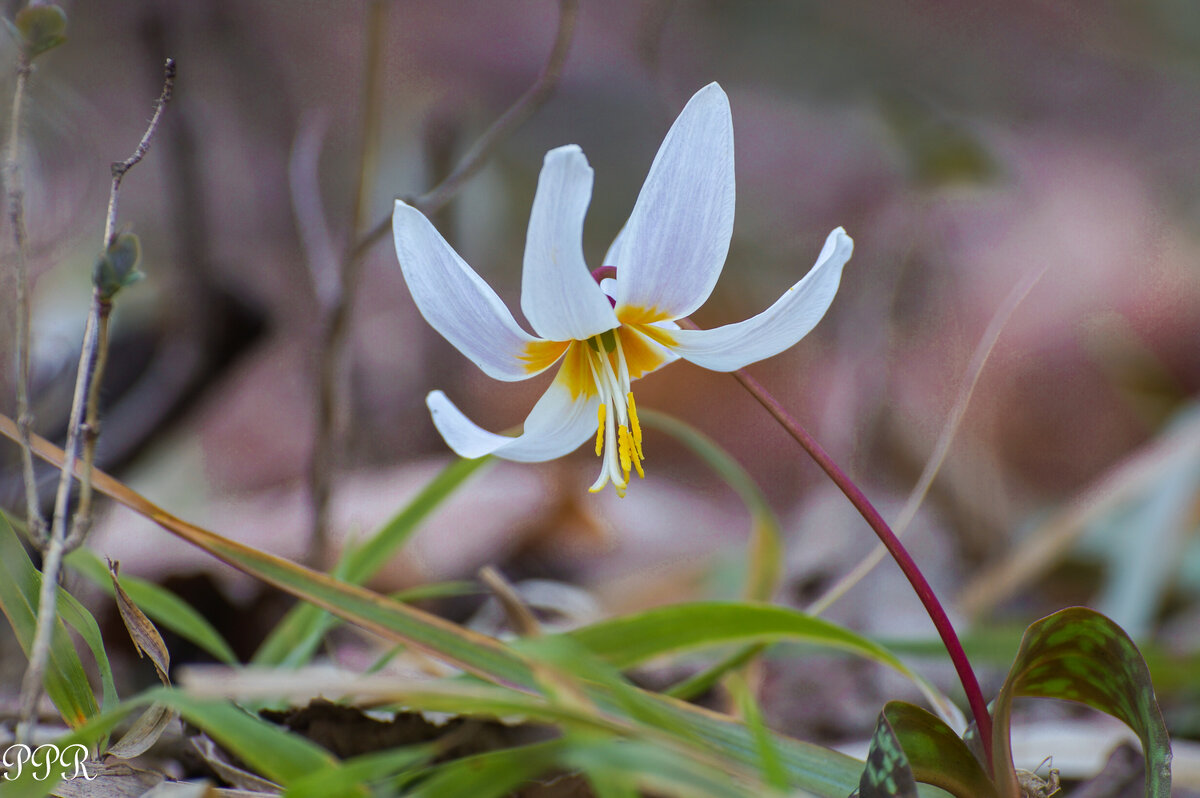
40,28
117,268
812,768
490,775
770,767
269,750
634,639
345,777
293,641
936,754
887,774
20,584
166,608
1079,655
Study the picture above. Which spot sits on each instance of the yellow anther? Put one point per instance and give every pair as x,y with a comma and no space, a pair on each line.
637,427
624,449
600,430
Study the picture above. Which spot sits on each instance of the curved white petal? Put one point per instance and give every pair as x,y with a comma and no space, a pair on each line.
670,253
558,295
456,301
778,327
556,426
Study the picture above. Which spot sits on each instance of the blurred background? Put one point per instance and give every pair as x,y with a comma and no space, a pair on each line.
967,148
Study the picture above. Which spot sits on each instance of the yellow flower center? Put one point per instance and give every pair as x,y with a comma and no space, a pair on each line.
605,365
618,433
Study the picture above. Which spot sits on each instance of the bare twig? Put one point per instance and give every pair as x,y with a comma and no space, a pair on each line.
525,106
520,617
337,317
974,369
82,432
15,195
121,167
336,314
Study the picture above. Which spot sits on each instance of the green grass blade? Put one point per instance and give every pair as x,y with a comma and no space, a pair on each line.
360,771
299,634
765,561
163,606
65,680
634,639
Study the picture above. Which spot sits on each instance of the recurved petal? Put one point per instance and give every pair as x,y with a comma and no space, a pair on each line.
557,425
672,249
558,295
456,301
778,327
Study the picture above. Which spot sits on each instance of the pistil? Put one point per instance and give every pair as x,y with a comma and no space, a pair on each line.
618,433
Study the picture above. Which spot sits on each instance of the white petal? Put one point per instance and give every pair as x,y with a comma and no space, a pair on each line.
671,251
556,426
558,295
778,327
455,300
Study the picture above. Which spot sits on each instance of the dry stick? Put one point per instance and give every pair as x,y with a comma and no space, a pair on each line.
14,183
525,106
335,311
974,369
338,317
81,443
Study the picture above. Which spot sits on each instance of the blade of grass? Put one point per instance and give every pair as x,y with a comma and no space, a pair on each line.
66,681
810,767
765,560
299,634
634,639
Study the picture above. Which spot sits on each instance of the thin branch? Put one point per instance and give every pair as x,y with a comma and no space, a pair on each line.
525,106
15,191
941,448
121,167
337,321
82,433
335,313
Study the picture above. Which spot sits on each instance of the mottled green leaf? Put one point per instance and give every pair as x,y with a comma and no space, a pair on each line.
887,774
1079,655
936,754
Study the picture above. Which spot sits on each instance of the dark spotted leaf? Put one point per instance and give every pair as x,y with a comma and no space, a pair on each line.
936,754
888,774
1077,654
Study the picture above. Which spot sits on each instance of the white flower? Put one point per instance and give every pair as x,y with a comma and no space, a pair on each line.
667,260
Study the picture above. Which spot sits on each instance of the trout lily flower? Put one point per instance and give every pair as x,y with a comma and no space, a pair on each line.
663,265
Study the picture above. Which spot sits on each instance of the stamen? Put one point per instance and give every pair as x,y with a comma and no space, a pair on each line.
637,427
624,449
600,429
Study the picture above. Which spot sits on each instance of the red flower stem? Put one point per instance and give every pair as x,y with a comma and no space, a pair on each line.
909,566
